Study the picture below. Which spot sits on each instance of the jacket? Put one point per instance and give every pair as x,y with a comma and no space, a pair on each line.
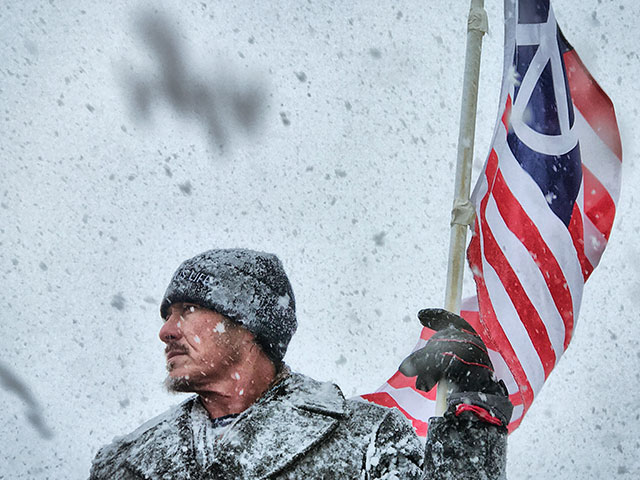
305,429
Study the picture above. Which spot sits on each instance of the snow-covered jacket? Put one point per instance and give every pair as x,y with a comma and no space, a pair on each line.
305,429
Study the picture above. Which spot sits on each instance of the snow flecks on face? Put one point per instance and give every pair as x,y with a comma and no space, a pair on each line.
219,328
196,339
241,392
236,376
179,324
192,308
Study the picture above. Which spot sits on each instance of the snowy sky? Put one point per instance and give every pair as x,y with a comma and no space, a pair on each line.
346,174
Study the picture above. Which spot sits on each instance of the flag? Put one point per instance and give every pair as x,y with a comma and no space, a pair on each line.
545,203
545,200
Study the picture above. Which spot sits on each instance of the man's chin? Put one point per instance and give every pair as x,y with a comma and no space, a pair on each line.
178,384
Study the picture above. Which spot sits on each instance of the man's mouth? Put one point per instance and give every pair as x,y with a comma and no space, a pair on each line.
174,352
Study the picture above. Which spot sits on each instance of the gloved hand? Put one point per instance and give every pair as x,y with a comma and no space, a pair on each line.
458,354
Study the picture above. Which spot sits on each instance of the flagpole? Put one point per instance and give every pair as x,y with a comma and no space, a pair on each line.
462,212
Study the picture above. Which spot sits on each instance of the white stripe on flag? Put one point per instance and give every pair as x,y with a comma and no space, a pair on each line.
469,304
594,241
513,328
532,280
518,412
599,158
554,233
412,402
421,343
502,371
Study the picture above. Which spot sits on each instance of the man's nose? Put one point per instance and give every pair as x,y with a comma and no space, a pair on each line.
171,329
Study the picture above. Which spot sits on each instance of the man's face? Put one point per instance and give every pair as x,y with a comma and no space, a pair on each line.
201,346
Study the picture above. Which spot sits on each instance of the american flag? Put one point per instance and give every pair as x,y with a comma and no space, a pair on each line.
545,203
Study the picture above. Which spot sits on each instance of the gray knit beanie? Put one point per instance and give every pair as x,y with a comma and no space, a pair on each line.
246,286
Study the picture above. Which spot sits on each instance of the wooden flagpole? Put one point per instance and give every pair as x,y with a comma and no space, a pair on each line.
462,212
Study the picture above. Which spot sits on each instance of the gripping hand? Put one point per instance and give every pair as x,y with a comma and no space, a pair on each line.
458,354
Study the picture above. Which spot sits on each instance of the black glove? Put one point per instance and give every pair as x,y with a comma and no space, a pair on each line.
458,354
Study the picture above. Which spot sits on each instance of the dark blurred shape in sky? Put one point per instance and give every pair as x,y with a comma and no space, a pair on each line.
12,383
118,301
223,103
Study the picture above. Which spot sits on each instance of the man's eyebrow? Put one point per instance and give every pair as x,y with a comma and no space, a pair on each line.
170,308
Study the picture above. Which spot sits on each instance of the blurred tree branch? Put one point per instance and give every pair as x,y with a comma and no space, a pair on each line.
222,104
12,383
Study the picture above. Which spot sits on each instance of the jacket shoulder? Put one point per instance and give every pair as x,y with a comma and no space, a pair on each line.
356,439
110,457
383,417
393,449
360,414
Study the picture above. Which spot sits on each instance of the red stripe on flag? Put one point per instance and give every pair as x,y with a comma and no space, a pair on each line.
473,317
528,234
576,230
506,116
491,326
526,311
593,103
598,204
515,399
386,400
491,169
426,333
492,329
400,381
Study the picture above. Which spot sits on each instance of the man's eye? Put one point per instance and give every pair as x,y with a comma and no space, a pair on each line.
189,308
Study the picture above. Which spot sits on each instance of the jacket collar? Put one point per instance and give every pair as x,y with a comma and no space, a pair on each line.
282,426
165,450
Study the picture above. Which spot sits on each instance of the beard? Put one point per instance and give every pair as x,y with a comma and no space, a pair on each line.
178,384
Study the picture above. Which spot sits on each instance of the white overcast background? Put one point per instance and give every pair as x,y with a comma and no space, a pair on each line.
348,178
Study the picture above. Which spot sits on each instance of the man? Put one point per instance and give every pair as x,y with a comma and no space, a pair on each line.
229,316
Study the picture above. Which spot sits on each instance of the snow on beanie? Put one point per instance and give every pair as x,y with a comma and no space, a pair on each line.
246,286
